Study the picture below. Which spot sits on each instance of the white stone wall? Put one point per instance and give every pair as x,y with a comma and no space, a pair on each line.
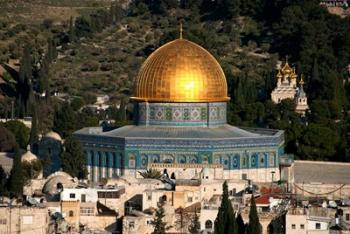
90,194
294,224
311,226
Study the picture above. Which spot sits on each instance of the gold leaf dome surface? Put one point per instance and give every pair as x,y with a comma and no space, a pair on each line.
181,71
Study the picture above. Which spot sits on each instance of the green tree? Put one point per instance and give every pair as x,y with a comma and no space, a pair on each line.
82,27
34,136
254,226
151,174
31,170
16,179
20,131
225,221
64,120
3,181
72,159
43,76
319,143
24,81
71,31
240,224
7,140
51,50
160,227
195,226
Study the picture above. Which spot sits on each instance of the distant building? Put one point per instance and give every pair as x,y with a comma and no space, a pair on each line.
334,3
312,220
287,89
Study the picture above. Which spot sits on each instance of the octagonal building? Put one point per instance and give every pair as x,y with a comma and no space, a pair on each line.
180,124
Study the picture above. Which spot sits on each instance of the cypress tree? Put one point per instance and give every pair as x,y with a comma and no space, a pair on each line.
72,159
3,176
15,181
112,12
51,50
195,226
71,31
160,227
33,138
225,221
240,224
43,76
25,79
254,226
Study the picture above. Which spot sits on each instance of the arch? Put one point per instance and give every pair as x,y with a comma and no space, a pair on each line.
173,176
226,161
163,198
208,224
235,161
132,163
165,172
144,160
194,159
155,158
205,159
59,186
71,213
181,159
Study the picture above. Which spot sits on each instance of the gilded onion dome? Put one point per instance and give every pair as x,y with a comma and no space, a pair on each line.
279,75
181,71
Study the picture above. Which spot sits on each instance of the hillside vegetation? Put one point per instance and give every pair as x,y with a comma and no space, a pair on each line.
99,51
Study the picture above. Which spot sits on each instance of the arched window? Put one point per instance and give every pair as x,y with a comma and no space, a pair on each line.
131,160
173,176
71,213
208,224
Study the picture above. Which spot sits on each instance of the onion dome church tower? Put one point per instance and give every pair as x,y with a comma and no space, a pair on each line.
180,125
287,89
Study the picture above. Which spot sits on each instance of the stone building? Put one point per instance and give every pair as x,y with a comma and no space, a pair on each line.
24,220
309,180
180,119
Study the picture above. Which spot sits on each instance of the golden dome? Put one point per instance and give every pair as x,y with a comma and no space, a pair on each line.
181,71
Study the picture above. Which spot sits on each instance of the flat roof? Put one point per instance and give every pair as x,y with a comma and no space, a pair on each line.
321,172
220,132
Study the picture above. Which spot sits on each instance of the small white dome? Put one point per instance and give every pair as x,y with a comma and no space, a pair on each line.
28,157
53,135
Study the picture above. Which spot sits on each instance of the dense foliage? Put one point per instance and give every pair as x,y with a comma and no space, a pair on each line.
159,225
72,159
102,51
